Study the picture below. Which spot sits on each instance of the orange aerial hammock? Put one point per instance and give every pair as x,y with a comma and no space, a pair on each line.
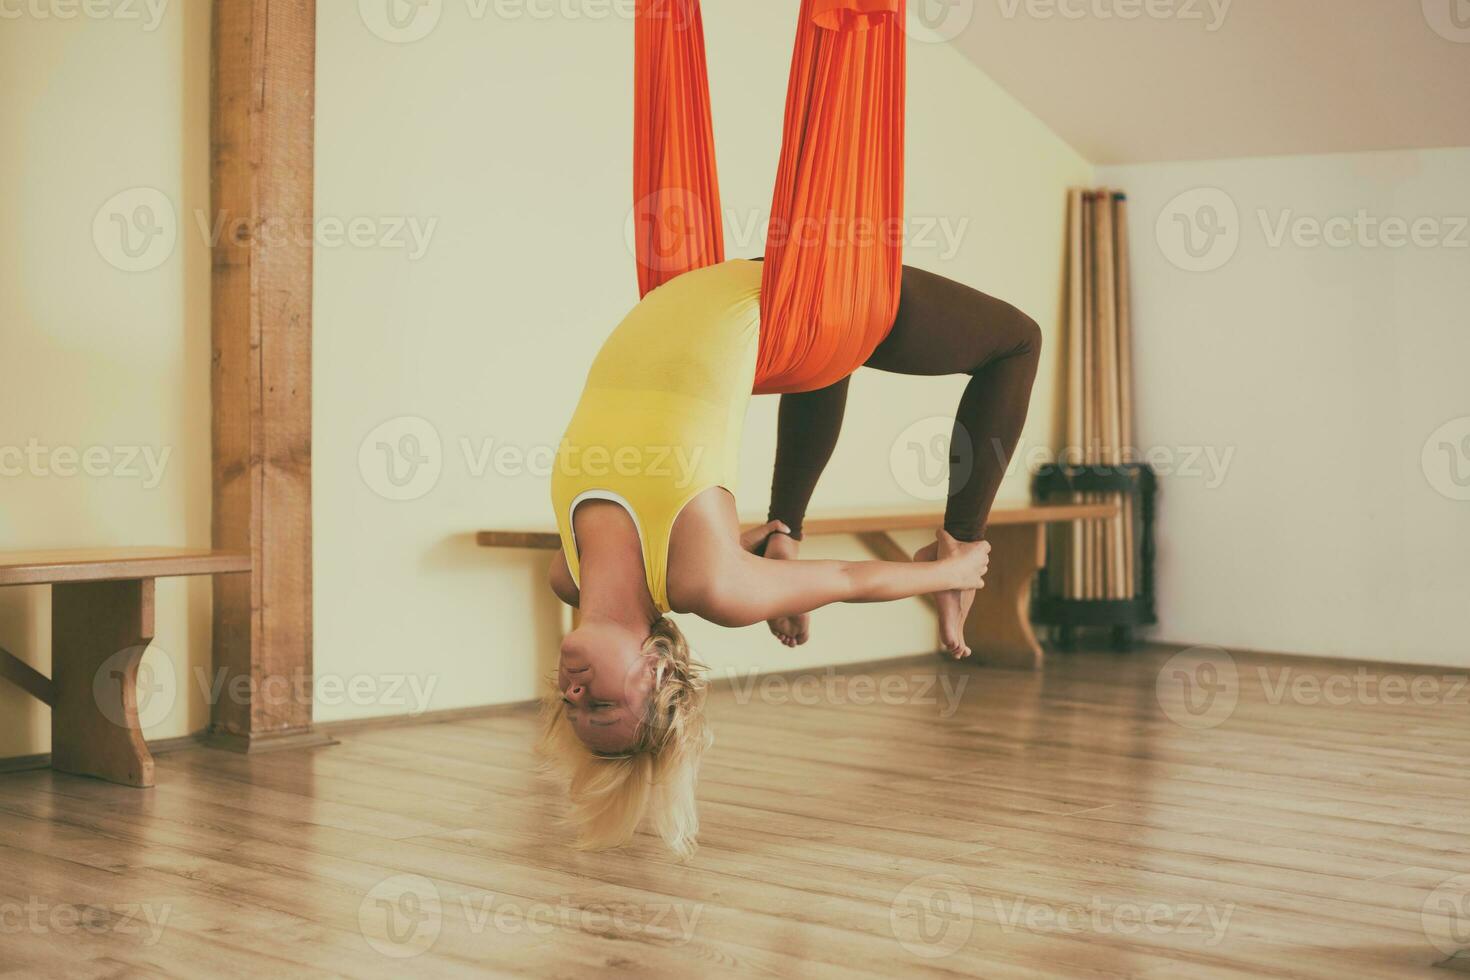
834,252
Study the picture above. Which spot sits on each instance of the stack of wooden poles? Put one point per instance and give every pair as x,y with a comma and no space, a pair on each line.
1096,558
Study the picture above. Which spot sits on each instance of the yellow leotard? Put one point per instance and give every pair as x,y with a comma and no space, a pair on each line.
661,415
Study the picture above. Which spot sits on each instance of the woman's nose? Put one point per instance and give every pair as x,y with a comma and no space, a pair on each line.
576,693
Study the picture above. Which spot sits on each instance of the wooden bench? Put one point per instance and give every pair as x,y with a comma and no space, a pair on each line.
101,622
999,628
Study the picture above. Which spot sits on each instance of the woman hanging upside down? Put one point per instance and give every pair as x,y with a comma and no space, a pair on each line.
644,483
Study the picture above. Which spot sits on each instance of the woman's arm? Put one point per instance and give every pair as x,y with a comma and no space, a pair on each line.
561,580
755,589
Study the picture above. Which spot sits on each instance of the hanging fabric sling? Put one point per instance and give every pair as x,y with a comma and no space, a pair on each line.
834,255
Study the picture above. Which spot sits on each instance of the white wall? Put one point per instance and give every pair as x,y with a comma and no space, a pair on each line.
515,137
1325,369
105,354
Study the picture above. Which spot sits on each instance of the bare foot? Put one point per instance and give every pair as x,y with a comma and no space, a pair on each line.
792,631
954,606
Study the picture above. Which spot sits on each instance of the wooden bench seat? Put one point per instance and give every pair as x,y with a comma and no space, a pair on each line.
101,622
999,628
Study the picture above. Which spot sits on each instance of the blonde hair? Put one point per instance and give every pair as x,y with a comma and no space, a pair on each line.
611,794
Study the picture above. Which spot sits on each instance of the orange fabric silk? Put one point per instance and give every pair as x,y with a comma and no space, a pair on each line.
677,225
834,250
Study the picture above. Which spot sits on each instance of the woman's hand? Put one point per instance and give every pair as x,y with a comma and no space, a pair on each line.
970,560
754,540
795,630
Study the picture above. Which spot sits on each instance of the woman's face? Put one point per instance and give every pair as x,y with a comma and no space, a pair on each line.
605,679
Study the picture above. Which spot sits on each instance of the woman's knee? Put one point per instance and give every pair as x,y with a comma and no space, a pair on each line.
1027,334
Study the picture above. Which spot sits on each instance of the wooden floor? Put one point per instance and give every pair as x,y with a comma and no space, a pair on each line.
1102,819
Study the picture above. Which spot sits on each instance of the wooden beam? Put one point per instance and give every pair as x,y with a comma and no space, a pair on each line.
261,130
871,520
114,564
26,677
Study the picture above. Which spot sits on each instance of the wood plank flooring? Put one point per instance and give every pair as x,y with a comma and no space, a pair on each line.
1139,815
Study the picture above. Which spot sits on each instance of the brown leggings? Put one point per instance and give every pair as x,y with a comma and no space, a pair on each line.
942,327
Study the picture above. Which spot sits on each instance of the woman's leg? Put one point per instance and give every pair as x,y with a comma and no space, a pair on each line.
946,328
806,433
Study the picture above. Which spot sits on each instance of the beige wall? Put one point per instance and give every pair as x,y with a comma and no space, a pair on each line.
496,153
108,364
1319,350
514,137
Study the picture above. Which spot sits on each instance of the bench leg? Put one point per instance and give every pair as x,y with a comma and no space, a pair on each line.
999,628
99,631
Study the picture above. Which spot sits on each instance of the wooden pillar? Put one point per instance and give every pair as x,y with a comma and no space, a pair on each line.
261,130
